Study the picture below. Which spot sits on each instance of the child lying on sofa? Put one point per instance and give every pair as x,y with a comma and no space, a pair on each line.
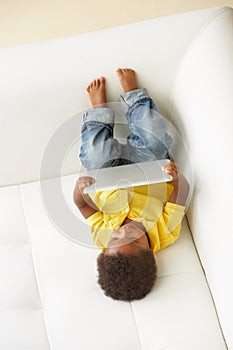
130,224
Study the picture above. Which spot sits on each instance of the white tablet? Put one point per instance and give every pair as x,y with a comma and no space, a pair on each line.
127,176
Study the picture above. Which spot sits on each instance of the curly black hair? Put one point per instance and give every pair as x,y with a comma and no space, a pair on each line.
127,277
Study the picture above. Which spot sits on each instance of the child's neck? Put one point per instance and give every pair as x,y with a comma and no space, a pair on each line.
139,224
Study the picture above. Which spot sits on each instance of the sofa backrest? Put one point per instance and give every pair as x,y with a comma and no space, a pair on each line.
202,110
43,84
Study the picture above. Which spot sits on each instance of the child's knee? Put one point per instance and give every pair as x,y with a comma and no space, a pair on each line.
93,163
97,160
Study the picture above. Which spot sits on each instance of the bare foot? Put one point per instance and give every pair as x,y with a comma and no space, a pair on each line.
96,92
127,78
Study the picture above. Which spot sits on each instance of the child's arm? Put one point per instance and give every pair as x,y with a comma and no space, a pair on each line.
83,201
180,183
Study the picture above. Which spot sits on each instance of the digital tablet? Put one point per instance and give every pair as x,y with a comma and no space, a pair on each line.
124,176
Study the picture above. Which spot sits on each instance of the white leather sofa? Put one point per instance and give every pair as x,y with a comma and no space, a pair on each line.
49,296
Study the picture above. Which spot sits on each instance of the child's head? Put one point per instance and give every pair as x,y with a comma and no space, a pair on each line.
127,268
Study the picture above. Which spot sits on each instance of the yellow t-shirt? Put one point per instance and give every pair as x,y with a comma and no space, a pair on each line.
146,204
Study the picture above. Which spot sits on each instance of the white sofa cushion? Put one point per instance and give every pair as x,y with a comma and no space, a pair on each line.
76,308
50,298
22,325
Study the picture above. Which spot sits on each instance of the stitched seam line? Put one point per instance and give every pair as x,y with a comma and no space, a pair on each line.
34,269
135,322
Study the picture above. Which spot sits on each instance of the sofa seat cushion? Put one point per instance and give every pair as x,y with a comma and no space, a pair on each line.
63,305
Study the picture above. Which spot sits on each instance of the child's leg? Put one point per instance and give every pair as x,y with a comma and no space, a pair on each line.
148,127
149,139
98,148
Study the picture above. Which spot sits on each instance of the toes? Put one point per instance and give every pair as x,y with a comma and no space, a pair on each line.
102,80
95,84
88,88
98,83
119,71
122,71
127,70
92,85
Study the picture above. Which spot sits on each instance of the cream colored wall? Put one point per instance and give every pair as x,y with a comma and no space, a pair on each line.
25,21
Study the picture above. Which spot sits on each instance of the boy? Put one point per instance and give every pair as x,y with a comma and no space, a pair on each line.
129,225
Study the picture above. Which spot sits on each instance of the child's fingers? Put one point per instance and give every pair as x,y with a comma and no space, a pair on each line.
174,174
84,181
170,166
171,169
84,178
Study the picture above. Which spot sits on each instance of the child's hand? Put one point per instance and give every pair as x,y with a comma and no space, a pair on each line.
172,169
86,206
81,199
180,183
82,183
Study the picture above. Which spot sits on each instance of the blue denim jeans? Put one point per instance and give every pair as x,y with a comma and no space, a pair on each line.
147,141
